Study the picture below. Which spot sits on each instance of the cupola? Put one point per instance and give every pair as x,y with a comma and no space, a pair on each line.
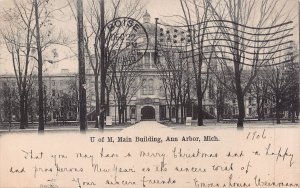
146,17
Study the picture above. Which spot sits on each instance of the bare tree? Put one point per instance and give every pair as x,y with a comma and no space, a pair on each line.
126,84
196,16
260,91
26,47
283,83
19,45
94,12
108,50
166,77
173,70
250,34
221,95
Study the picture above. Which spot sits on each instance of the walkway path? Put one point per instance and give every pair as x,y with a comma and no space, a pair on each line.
148,126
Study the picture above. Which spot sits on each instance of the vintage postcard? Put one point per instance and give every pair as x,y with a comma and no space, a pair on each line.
149,93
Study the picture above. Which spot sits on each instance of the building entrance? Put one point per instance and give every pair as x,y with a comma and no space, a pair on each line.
148,113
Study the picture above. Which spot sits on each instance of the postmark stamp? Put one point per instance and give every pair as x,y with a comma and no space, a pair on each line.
126,40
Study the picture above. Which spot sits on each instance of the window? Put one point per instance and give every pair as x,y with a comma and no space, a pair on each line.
250,100
152,59
147,60
250,110
145,87
233,101
148,87
151,90
53,82
53,92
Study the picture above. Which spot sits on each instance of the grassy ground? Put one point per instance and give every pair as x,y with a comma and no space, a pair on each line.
57,125
232,123
70,126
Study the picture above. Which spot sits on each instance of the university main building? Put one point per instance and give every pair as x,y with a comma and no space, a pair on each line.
147,99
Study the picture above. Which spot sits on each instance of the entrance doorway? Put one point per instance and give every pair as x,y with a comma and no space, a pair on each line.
148,113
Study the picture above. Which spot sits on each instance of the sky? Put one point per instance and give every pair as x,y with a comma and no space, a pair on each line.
161,9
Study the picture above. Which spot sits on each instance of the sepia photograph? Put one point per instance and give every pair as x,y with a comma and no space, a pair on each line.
149,93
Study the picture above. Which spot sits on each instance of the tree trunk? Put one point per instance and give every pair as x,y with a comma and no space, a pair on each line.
107,101
262,113
40,69
239,96
103,65
119,113
22,112
170,113
125,113
277,111
241,107
97,100
182,113
1,122
293,116
10,116
26,110
81,67
199,107
237,74
176,113
45,106
258,107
